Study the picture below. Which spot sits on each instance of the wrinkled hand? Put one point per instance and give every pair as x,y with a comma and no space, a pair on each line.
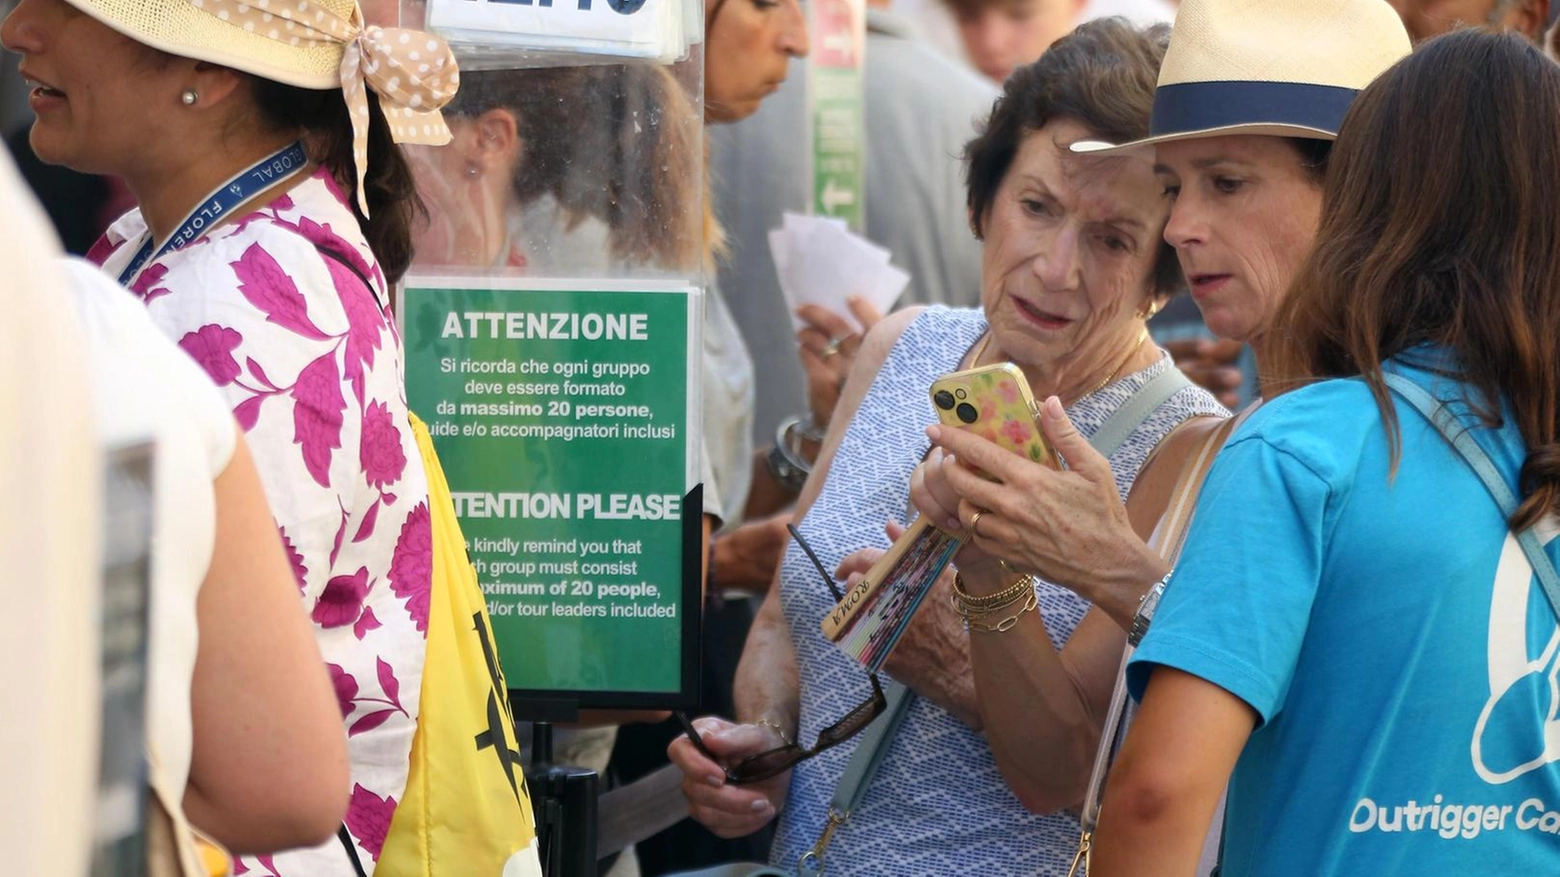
856,563
932,657
1070,527
1211,365
938,501
826,370
728,810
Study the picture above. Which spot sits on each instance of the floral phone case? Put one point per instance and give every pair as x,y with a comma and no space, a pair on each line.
994,402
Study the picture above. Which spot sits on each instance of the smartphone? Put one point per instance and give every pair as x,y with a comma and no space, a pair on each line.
994,402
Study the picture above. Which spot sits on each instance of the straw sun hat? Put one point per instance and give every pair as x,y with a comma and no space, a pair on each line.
1286,68
317,44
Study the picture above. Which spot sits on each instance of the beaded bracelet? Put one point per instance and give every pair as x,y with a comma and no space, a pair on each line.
1007,596
1005,624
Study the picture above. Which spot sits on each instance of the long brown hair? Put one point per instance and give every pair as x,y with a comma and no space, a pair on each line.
1441,225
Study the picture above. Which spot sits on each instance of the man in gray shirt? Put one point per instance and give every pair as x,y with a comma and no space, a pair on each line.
920,110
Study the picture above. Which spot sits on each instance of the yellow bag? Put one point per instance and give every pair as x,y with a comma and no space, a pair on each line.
466,811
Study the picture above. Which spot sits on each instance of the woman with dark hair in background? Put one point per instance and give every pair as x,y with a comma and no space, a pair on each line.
1354,638
564,171
587,171
274,217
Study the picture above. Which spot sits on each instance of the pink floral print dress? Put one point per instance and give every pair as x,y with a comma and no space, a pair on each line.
274,306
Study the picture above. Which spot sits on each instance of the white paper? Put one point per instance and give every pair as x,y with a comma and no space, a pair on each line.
820,261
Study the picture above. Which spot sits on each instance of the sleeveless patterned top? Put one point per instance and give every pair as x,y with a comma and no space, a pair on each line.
938,804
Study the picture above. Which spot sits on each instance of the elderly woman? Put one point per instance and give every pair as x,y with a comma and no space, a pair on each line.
1385,577
1246,178
1073,266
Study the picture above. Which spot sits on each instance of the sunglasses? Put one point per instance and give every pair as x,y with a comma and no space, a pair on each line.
773,762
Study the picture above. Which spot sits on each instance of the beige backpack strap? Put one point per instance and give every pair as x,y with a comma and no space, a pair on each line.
1168,538
1170,533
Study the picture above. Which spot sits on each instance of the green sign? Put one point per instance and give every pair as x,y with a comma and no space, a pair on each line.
561,419
839,148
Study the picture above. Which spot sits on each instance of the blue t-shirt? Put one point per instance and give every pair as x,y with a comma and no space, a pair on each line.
1390,635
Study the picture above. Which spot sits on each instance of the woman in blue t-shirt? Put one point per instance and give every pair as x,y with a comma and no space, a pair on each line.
1353,638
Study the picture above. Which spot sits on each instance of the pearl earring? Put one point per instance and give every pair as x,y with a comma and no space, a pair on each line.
190,97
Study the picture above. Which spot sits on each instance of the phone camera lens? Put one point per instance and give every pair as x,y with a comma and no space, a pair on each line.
944,400
967,412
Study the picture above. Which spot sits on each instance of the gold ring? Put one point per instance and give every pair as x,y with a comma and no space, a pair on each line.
832,349
975,520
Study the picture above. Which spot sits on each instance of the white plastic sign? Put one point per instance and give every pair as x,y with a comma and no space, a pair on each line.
648,29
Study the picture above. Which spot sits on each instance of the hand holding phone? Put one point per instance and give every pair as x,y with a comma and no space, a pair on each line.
995,403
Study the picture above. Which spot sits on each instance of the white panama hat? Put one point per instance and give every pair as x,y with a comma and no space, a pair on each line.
1286,68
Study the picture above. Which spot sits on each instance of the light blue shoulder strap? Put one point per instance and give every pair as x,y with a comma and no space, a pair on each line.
1114,432
859,772
1462,441
863,766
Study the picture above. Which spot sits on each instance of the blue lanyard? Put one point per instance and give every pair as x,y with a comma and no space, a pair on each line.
245,185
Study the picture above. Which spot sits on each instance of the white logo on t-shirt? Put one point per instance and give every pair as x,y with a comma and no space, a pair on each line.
1517,746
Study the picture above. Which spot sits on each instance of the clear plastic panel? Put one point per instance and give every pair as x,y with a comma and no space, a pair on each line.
584,170
552,318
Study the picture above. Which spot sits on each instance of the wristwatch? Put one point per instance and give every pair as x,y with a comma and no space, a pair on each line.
1145,612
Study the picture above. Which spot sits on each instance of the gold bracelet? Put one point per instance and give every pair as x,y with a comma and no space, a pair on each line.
981,615
1007,623
998,600
773,726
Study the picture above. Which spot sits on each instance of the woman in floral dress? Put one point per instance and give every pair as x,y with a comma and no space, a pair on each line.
274,218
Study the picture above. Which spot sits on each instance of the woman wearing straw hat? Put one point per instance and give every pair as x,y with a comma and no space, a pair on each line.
1249,98
1372,663
259,141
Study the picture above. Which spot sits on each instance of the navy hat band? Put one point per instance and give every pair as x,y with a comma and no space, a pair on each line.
1200,106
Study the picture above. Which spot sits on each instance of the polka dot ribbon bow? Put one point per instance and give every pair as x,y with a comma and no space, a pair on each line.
413,72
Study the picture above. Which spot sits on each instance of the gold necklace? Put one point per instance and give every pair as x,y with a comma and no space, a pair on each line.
1143,336
980,349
